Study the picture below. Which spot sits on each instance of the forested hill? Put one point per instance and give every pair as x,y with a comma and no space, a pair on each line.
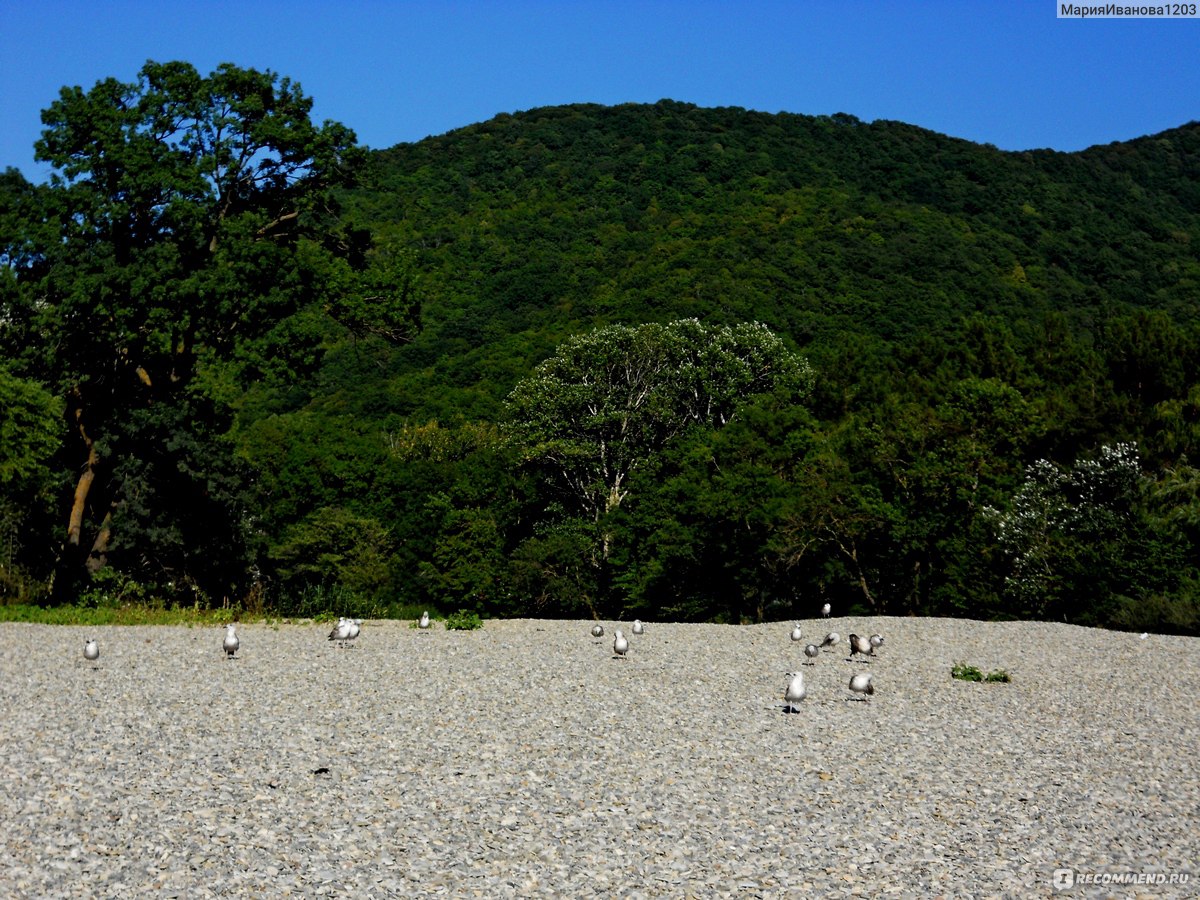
590,213
532,226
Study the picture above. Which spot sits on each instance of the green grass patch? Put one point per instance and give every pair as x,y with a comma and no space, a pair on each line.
117,615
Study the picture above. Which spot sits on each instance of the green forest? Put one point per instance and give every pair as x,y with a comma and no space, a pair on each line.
645,360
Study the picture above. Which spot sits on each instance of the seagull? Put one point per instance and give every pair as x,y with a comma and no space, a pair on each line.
620,644
424,623
354,627
340,632
861,684
795,692
825,610
91,650
831,639
811,652
638,627
231,642
1144,635
876,642
597,630
861,645
796,633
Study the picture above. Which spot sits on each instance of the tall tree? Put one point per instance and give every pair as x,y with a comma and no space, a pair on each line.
188,218
609,399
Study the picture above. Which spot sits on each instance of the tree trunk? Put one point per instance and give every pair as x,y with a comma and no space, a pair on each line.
82,489
852,553
98,558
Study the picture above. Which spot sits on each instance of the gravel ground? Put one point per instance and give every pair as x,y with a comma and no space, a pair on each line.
525,760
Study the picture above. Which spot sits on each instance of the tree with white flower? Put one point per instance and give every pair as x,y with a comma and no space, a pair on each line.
1064,531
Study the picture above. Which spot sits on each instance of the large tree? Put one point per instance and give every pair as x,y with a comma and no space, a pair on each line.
610,399
187,240
608,404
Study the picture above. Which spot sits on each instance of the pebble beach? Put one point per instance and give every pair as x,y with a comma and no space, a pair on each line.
524,760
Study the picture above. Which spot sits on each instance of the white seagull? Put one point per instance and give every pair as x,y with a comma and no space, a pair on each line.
638,627
620,644
597,630
795,692
91,650
355,627
861,684
424,623
797,634
876,641
811,652
231,643
340,632
831,639
825,610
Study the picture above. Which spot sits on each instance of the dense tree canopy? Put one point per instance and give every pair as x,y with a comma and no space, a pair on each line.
513,368
610,400
188,223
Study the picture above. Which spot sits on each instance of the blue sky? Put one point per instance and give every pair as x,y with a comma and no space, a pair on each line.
1008,73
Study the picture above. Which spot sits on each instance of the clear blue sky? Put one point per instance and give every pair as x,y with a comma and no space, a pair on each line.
1006,72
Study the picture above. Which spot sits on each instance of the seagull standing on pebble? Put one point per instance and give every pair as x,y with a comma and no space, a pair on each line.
861,645
638,627
424,623
620,644
811,652
797,634
340,632
91,650
597,630
354,629
861,684
795,692
876,642
831,639
825,610
231,643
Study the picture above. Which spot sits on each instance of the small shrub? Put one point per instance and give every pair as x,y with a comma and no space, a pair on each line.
963,672
463,621
110,589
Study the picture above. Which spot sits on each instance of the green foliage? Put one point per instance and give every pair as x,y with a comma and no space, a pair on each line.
30,430
963,672
189,227
30,433
463,620
333,546
127,614
1075,534
326,603
110,589
584,423
610,399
